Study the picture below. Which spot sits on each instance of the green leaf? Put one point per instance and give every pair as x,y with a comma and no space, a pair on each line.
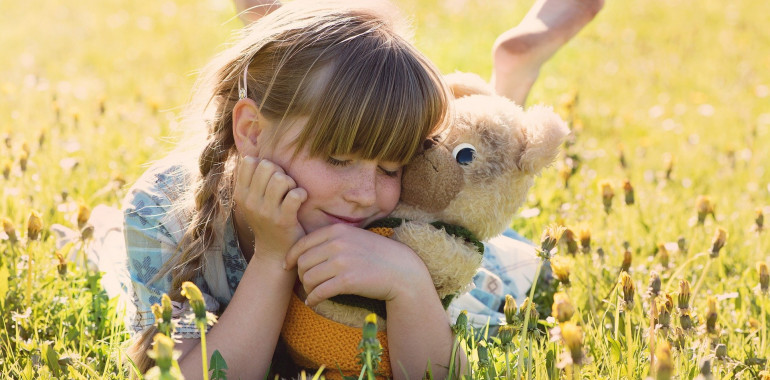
615,352
218,366
51,359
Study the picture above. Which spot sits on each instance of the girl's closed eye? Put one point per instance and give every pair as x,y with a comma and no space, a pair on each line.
394,172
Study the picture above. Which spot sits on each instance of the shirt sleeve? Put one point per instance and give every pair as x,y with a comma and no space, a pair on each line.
152,235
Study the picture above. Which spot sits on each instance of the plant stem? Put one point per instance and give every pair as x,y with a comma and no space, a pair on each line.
763,341
653,312
202,327
681,268
702,276
526,319
629,344
507,362
617,318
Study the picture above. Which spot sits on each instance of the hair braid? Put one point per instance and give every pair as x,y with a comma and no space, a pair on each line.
212,198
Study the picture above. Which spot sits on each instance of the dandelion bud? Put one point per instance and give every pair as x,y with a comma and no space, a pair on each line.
627,258
571,241
665,306
607,194
719,241
41,138
678,338
565,173
34,225
506,334
759,220
628,191
561,269
753,324
711,315
23,157
83,214
622,157
663,254
668,164
585,238
627,285
664,365
9,230
25,148
600,252
157,312
683,301
510,309
461,325
7,168
195,297
87,232
551,236
562,308
572,335
370,329
164,355
533,314
705,207
7,140
685,319
764,276
681,243
165,304
705,371
61,265
653,288
721,351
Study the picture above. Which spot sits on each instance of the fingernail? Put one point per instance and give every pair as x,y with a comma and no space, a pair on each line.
250,159
284,266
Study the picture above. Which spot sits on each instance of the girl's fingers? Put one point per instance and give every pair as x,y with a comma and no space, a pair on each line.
304,244
324,291
246,171
277,187
294,198
262,175
316,275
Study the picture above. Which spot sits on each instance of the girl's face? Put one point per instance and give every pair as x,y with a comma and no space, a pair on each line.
340,189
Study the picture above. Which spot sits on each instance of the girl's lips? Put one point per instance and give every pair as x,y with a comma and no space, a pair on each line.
355,222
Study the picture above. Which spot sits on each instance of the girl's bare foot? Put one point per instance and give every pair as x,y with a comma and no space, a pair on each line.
519,53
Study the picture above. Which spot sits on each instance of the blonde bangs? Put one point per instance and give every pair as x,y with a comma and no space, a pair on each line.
376,102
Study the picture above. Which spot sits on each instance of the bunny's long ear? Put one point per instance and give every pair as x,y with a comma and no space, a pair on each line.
465,84
544,131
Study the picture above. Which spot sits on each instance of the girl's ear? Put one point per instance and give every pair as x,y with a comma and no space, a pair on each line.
248,123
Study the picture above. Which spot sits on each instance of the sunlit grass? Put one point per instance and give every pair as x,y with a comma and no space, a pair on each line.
91,91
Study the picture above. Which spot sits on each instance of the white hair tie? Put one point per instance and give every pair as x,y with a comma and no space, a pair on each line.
242,88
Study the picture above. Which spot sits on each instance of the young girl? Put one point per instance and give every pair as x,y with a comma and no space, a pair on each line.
307,122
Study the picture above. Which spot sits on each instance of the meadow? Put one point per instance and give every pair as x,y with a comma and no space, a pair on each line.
668,101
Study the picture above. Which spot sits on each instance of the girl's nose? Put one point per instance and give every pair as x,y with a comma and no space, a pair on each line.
362,189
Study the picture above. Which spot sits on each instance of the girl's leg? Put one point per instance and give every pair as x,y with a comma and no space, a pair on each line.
519,53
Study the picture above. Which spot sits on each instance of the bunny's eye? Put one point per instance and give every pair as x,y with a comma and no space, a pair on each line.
464,153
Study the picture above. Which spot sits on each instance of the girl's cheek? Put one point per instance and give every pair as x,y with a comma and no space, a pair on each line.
390,191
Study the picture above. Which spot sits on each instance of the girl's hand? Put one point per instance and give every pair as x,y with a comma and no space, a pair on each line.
268,200
342,259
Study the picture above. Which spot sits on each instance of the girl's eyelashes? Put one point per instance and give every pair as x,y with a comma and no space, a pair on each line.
390,173
342,163
335,162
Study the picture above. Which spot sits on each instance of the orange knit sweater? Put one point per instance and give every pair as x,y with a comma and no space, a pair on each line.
313,340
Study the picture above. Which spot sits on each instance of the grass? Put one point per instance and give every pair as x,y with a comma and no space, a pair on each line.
90,91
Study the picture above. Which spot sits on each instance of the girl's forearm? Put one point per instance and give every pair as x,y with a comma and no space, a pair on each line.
248,330
419,332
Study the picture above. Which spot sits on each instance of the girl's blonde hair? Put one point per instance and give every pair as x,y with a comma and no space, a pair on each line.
364,89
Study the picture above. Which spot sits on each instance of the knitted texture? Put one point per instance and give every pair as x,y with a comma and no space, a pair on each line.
313,340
